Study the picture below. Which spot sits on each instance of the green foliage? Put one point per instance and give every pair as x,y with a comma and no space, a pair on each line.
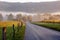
0,33
55,26
19,35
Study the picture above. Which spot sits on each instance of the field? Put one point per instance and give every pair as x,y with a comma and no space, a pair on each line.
54,26
19,35
8,23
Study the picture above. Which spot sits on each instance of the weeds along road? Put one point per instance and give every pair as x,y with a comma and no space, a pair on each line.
34,32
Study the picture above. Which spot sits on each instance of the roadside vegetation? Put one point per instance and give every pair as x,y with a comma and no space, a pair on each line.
55,25
19,35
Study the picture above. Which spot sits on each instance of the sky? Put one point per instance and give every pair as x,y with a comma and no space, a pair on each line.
28,0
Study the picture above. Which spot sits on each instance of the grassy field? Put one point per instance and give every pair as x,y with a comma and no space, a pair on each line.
8,23
54,26
9,30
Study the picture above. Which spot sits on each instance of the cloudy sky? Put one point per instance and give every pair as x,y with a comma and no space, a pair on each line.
28,0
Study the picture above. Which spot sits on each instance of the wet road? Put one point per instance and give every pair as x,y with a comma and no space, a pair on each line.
34,32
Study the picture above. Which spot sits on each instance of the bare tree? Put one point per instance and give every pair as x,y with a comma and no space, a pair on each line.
1,17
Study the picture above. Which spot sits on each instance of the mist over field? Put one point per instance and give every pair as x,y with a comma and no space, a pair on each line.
29,8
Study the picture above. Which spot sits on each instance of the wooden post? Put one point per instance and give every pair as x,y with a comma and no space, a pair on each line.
13,33
18,26
21,24
4,33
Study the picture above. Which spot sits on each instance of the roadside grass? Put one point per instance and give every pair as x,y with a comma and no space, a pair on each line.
9,33
0,33
54,26
19,35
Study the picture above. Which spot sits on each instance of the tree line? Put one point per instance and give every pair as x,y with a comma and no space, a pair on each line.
19,17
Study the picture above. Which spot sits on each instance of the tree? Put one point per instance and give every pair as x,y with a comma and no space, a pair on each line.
24,18
10,17
30,18
19,16
1,17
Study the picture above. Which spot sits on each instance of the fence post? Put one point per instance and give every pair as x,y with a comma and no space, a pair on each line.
18,26
21,24
4,33
13,33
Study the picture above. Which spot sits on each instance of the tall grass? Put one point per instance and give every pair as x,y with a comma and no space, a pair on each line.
9,30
